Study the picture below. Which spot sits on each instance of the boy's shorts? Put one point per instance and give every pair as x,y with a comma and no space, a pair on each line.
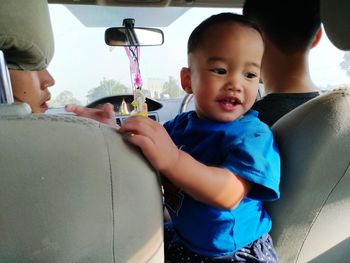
260,250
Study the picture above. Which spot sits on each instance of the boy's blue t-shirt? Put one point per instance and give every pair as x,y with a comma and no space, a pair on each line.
245,147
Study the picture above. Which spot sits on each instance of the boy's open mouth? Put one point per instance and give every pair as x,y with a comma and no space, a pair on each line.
229,104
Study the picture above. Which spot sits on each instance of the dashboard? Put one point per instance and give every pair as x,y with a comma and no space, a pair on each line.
161,110
122,101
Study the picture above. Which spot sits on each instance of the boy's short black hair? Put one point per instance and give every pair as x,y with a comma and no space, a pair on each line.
197,34
290,24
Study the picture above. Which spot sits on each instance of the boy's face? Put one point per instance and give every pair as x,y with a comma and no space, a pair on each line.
32,87
224,72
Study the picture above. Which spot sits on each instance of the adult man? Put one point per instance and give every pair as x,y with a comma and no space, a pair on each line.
290,29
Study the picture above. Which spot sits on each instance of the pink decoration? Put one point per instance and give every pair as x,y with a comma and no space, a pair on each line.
133,53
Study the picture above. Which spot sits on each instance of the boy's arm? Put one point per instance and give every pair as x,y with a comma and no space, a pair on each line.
212,185
104,114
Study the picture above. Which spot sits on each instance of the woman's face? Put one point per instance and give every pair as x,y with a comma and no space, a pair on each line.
31,87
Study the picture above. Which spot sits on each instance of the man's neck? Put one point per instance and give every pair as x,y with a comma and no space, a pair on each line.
287,74
291,85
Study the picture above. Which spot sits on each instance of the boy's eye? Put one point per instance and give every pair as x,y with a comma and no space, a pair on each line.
250,75
219,71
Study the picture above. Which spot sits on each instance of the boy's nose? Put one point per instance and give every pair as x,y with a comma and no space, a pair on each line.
233,84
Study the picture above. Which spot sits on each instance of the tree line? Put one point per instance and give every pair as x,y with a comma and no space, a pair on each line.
109,87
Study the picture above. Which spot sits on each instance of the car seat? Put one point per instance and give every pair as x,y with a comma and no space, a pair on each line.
311,221
71,189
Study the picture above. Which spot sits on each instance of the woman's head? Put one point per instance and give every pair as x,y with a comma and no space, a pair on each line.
31,87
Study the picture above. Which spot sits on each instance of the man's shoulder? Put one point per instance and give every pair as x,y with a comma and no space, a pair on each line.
283,97
273,106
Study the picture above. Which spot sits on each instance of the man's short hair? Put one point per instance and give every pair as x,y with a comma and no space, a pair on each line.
290,24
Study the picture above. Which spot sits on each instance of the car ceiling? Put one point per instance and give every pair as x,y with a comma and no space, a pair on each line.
334,14
154,3
147,13
114,16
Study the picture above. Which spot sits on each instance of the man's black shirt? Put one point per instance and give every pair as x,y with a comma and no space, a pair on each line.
275,105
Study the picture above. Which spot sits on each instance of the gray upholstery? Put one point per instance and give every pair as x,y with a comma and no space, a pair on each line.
335,18
311,221
26,34
14,109
71,190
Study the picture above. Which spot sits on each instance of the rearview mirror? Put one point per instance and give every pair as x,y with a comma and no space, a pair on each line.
133,36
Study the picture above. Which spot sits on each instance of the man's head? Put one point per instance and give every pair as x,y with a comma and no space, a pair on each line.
291,25
224,57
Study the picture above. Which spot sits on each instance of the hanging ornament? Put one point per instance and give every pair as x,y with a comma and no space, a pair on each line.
139,102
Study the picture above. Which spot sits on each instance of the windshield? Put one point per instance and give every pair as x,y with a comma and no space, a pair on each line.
86,69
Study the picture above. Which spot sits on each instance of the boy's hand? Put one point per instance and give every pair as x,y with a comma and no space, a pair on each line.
104,114
154,141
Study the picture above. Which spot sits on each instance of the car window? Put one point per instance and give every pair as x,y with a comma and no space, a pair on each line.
86,69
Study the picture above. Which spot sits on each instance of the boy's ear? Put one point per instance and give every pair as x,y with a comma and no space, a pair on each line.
186,80
317,38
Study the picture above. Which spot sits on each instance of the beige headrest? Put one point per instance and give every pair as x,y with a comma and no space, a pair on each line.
26,36
335,15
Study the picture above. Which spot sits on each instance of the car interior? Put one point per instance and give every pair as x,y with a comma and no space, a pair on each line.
57,204
72,190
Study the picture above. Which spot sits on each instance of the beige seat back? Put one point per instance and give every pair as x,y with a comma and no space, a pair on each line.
311,221
71,189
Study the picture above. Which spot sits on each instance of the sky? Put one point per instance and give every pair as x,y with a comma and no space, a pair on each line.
82,59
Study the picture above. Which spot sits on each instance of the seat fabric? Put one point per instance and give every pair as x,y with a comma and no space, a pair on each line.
72,190
311,220
26,36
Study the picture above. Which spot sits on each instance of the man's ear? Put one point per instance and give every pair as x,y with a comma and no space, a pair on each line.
317,37
185,76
